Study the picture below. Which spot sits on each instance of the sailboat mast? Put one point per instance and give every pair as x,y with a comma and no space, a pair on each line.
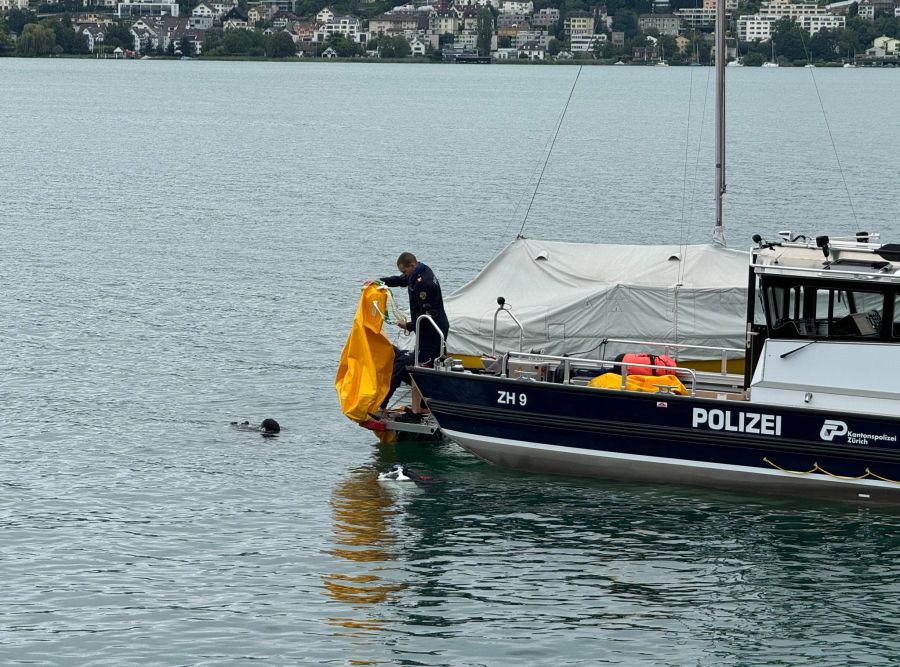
719,230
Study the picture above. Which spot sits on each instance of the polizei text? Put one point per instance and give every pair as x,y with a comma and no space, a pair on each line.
740,422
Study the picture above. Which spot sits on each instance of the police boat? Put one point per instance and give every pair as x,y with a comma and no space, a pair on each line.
815,413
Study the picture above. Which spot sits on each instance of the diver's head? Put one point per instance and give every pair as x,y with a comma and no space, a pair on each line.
270,426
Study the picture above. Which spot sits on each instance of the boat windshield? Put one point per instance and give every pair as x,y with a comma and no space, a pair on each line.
797,309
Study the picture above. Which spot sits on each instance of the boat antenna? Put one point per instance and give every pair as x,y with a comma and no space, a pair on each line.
562,117
719,230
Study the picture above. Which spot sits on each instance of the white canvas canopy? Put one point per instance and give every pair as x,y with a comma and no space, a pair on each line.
571,296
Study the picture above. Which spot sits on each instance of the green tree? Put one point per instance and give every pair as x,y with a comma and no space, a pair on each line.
789,39
553,47
344,46
824,45
35,40
753,59
119,34
212,43
485,31
186,6
243,43
17,19
401,47
281,45
626,21
66,38
5,41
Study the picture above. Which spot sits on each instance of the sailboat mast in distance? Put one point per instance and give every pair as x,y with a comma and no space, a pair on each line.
718,230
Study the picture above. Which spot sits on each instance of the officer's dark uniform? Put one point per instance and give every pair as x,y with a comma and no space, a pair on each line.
424,299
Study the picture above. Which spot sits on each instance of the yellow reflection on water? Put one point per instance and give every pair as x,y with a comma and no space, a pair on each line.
362,508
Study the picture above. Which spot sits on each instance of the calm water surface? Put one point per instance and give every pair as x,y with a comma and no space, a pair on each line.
183,246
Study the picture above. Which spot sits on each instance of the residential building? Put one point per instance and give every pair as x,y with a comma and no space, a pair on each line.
94,35
235,19
579,23
200,22
205,10
784,9
696,17
282,19
442,22
222,7
278,5
510,19
584,43
418,46
758,27
516,6
7,5
754,28
505,54
646,54
394,23
539,37
890,45
664,24
868,8
346,25
531,51
813,24
545,18
841,7
257,13
730,5
132,8
325,15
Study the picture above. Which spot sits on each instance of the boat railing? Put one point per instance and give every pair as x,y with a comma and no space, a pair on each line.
568,362
884,274
677,347
503,307
440,333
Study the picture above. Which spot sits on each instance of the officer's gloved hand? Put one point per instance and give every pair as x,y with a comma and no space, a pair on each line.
401,323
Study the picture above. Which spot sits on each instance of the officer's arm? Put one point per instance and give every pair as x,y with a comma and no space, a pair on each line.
395,281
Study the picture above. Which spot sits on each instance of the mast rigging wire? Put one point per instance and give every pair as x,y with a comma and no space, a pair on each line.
562,117
837,157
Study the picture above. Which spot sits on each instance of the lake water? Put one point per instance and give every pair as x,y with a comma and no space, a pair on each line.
183,245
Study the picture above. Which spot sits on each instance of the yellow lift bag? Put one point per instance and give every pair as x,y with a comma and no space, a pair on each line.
364,374
639,383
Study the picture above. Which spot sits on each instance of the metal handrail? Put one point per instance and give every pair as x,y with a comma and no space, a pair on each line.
567,361
494,330
680,346
436,328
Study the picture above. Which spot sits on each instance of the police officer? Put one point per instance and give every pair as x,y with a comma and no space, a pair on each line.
425,298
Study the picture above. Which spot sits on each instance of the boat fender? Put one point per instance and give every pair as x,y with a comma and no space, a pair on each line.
651,359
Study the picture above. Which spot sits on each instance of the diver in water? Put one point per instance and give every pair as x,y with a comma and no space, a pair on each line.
268,427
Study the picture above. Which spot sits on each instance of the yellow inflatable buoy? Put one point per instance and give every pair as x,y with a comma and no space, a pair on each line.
364,374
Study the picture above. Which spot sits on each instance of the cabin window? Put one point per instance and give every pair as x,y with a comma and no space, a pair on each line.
820,311
895,329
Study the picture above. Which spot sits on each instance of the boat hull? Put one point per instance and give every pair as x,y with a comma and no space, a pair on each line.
739,446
